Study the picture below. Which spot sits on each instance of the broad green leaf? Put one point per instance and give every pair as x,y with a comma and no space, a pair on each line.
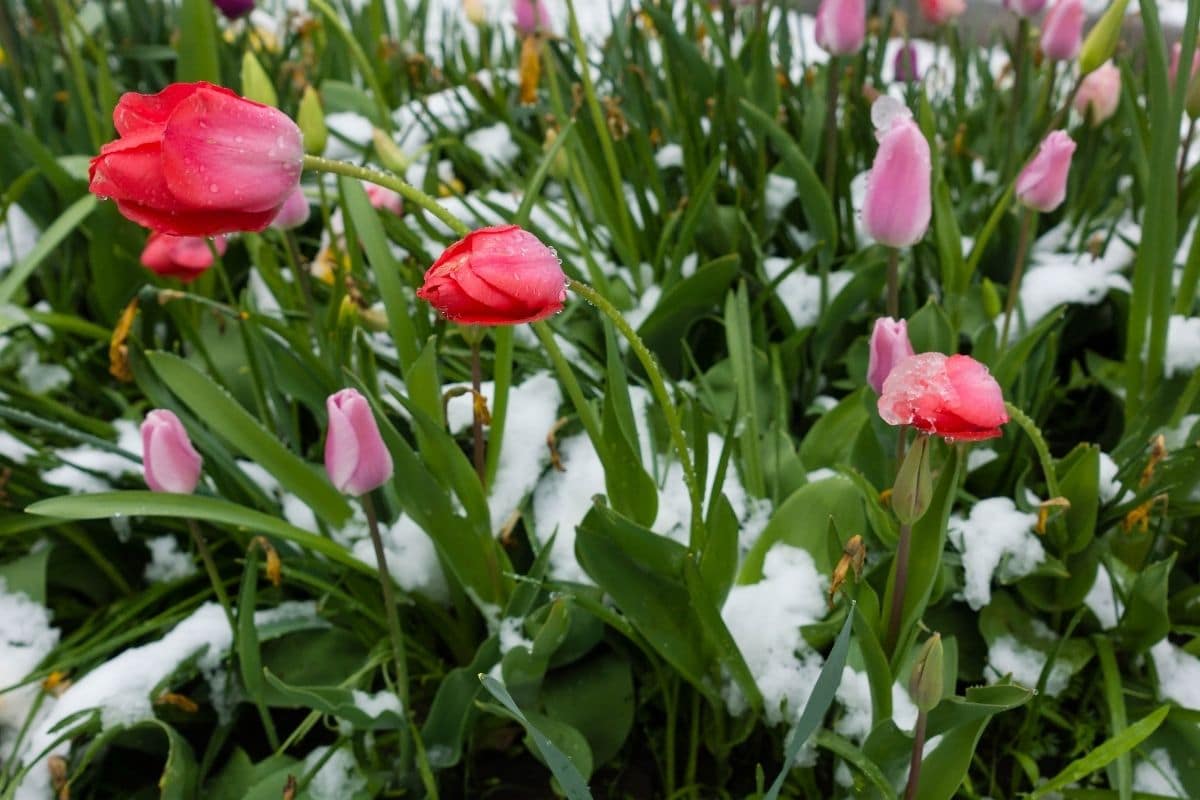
1145,620
340,702
197,46
27,574
596,697
830,440
803,521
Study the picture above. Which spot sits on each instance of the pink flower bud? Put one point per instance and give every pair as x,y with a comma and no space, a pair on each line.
841,26
182,257
1176,56
897,206
293,213
1042,185
532,17
1025,8
384,199
168,458
232,9
889,346
904,67
496,276
1062,30
1099,93
939,12
355,456
954,397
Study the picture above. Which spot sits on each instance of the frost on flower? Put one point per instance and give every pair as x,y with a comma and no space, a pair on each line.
997,540
765,620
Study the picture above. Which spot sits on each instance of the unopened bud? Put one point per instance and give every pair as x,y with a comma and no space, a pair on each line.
311,119
256,84
389,153
1101,41
913,491
925,685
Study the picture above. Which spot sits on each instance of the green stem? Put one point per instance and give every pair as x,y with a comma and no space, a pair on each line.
479,449
832,75
893,283
214,577
896,614
409,192
1014,286
1014,128
659,387
918,751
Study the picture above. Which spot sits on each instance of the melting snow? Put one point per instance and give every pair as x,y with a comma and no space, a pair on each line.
1178,674
995,539
1008,656
1157,775
167,562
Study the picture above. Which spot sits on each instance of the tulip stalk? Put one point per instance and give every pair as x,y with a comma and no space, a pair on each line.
389,600
1014,286
1018,93
474,337
214,577
832,80
893,282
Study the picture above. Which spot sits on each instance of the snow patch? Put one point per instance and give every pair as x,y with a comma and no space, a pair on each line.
167,562
997,540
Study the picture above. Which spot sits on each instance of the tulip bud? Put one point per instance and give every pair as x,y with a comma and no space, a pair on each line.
897,205
182,257
475,11
311,119
904,67
170,462
1101,41
1042,184
532,17
939,12
1025,8
913,490
389,153
256,85
1062,31
382,198
1099,94
232,9
889,346
991,299
355,456
293,213
926,683
841,26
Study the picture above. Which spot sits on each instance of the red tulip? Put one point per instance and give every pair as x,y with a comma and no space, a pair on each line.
496,276
170,462
198,160
939,12
182,257
954,397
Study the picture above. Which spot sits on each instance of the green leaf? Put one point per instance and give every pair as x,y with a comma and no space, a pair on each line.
27,574
1146,619
1106,753
596,697
339,702
212,509
565,771
243,433
197,43
818,703
831,439
854,756
48,239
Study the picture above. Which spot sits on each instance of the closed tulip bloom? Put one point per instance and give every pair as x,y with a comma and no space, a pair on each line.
170,462
1062,31
496,276
889,346
1099,94
954,397
182,257
355,456
1025,8
232,9
384,199
897,206
939,12
532,16
1042,185
293,213
904,67
198,160
841,26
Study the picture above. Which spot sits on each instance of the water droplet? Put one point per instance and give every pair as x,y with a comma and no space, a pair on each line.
212,187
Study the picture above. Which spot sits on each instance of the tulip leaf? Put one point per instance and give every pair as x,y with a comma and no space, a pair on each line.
49,239
212,509
240,431
1105,754
197,49
340,702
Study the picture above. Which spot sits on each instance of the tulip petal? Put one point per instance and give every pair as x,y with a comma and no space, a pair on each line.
341,447
131,169
979,399
220,151
137,112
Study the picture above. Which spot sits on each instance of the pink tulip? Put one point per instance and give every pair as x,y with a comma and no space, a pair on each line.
355,456
889,346
1025,8
954,397
168,458
1042,185
1099,94
182,257
939,12
897,206
1062,30
1176,56
293,213
384,199
904,67
841,26
532,17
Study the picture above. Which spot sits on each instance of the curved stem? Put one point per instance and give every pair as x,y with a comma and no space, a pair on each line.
659,387
397,184
1014,286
